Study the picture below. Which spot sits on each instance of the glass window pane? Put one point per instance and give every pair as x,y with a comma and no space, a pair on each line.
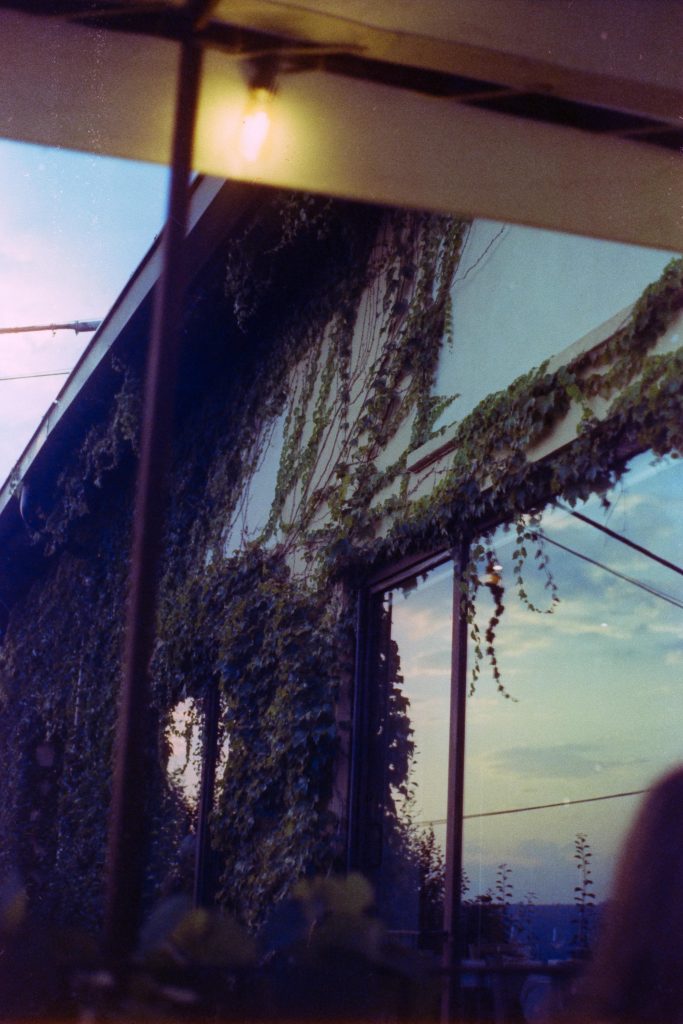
594,715
521,295
411,737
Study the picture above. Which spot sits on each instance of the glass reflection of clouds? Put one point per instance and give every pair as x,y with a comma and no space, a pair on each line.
413,665
184,740
596,717
421,626
599,701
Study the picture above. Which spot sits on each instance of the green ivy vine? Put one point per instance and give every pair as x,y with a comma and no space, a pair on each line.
331,319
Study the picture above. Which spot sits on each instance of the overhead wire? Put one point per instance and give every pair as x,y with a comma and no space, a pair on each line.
34,376
540,807
621,538
614,572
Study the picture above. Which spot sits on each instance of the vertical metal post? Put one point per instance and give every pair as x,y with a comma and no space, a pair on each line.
456,778
127,841
359,733
203,881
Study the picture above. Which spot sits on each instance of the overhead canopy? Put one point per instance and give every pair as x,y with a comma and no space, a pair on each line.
560,114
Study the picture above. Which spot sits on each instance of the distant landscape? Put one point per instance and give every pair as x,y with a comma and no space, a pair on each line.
549,931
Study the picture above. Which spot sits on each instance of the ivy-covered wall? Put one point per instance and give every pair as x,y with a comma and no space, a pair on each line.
330,318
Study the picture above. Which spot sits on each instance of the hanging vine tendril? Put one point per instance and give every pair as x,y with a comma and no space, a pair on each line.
528,534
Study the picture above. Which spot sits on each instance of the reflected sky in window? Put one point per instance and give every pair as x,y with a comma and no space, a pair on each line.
597,691
598,698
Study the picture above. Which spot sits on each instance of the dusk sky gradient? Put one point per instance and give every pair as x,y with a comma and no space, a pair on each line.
73,228
588,683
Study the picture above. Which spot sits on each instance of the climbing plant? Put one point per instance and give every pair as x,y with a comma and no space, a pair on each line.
331,319
268,625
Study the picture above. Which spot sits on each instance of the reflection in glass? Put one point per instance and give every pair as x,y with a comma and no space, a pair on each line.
183,737
521,284
411,729
184,740
250,517
595,717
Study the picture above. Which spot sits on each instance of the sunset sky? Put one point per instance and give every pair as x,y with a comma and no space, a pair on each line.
73,227
597,688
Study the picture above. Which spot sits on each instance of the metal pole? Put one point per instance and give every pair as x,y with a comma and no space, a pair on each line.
77,326
456,776
128,831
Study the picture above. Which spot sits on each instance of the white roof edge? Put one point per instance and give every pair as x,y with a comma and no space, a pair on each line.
134,293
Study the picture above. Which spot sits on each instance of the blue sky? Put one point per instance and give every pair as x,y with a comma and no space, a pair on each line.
597,687
73,227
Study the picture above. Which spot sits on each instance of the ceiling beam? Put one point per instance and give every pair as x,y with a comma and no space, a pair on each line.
105,92
623,56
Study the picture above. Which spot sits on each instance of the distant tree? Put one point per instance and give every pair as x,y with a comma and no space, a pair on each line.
584,895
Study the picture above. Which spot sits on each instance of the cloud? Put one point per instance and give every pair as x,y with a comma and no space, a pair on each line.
411,624
430,710
538,852
672,628
560,761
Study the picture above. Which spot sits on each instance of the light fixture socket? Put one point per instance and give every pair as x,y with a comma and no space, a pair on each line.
261,72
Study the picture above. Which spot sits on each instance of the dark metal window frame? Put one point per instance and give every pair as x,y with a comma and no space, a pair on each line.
361,713
363,707
379,582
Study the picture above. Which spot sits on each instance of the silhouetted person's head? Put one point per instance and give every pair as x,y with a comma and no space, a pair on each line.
637,973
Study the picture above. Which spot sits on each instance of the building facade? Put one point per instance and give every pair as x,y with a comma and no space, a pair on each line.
419,579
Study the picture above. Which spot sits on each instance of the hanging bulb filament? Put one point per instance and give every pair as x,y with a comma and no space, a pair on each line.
255,124
261,74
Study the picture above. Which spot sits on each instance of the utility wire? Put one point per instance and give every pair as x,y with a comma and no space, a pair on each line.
622,540
620,575
560,803
33,376
540,807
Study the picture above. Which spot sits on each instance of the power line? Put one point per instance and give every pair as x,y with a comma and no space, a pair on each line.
560,803
540,807
620,575
33,376
621,538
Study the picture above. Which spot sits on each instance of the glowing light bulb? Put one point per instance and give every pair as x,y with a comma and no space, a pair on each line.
255,124
492,577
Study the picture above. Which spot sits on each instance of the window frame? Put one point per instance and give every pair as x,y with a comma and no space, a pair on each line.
380,581
362,720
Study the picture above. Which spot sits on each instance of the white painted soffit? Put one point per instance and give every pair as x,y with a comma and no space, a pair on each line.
100,91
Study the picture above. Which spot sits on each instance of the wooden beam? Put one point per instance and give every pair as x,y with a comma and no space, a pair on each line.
68,85
374,143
